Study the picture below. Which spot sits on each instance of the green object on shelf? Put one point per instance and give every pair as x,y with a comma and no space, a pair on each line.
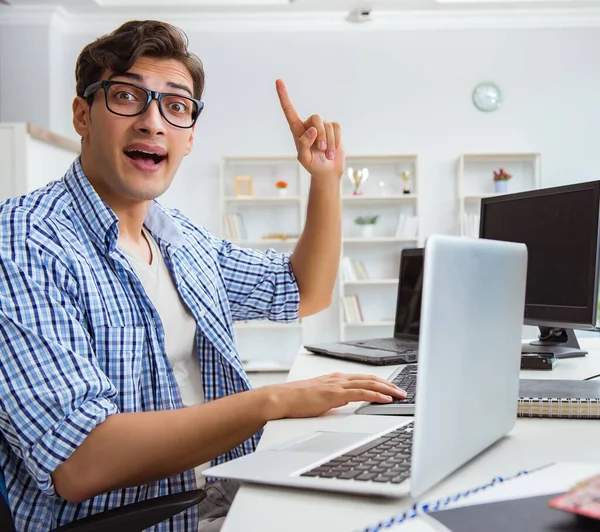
366,220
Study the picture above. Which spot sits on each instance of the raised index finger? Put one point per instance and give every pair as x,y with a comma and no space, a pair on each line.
289,110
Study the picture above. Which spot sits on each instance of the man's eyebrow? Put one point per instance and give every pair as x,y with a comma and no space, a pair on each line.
136,77
180,87
130,75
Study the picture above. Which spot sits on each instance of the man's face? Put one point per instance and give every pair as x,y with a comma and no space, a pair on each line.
133,159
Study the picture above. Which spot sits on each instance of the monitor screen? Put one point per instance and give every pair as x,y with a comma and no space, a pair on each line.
410,285
560,228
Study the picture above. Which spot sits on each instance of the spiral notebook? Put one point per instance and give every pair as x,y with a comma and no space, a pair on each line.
559,398
528,487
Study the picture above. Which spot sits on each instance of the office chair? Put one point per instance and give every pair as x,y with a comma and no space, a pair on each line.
129,518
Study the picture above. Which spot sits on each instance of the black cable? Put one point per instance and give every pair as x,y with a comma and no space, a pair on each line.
592,377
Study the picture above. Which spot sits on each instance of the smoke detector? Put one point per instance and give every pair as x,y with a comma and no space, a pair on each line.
360,15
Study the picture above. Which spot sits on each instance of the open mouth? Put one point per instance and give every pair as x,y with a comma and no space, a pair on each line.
138,155
146,157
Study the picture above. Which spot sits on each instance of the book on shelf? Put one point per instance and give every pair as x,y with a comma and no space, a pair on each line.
407,226
353,270
559,398
352,310
235,229
471,224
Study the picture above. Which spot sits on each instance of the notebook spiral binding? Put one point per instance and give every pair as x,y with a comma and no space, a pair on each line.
420,508
559,407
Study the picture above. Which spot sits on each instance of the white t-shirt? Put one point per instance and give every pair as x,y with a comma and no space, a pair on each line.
179,326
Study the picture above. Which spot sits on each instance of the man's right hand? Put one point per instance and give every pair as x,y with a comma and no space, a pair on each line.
312,397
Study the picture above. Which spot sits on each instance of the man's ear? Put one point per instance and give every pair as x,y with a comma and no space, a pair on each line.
81,116
190,143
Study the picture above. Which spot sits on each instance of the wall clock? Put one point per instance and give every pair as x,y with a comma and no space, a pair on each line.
487,97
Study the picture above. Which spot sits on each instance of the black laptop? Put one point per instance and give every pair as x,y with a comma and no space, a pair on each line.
403,347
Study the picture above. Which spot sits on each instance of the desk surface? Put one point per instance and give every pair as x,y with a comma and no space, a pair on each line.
533,442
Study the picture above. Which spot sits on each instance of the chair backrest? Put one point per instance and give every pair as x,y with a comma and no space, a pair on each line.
6,521
3,492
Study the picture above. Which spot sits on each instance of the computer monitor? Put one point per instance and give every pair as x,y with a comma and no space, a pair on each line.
559,225
410,286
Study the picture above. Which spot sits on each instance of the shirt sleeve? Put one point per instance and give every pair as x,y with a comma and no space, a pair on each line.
52,393
260,285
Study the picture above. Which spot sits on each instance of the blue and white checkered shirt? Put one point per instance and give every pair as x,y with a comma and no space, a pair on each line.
80,340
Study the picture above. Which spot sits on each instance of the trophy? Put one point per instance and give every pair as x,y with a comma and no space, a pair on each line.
405,176
358,177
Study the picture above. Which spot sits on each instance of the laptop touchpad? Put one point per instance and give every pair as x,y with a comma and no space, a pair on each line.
323,442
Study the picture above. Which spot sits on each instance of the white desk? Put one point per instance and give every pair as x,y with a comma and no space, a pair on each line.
533,442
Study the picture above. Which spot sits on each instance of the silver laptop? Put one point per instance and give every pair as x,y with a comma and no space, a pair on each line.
468,381
402,348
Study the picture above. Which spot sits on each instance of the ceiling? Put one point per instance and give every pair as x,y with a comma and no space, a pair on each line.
291,6
99,16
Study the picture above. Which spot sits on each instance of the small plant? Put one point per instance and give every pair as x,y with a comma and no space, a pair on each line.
366,220
281,184
501,175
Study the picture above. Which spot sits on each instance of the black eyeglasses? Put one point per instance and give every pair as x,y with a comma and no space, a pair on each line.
129,99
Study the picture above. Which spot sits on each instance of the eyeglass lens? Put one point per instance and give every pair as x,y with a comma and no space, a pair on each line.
125,99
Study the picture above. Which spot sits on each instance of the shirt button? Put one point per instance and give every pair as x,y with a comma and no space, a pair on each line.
202,313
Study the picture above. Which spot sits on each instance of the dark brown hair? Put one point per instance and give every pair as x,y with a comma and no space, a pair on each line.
118,51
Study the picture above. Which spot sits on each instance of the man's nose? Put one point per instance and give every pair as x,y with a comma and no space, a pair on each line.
151,120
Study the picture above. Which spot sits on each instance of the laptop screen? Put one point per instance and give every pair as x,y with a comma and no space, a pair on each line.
410,284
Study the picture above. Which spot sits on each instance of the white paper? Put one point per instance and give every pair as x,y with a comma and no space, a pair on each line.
555,478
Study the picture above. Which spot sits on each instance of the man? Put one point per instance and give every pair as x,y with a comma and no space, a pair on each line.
119,377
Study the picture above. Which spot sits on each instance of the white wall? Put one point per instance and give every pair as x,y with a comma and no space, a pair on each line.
395,92
25,73
392,91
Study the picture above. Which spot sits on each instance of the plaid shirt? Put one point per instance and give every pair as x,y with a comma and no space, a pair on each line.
80,340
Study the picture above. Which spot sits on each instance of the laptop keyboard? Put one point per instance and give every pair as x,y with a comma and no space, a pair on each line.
385,459
386,344
407,380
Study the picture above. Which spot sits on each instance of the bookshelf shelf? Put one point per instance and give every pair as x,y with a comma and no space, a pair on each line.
266,325
380,323
252,160
385,159
264,241
266,199
478,197
379,240
364,282
267,366
380,199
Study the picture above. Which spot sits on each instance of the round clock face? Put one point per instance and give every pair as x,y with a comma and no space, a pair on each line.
487,97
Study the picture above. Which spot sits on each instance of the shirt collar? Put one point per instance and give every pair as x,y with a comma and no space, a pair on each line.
100,221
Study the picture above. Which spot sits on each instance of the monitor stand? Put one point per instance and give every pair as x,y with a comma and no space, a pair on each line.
562,343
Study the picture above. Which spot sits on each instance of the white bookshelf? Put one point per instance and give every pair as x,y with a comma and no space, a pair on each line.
265,213
380,252
474,180
31,157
